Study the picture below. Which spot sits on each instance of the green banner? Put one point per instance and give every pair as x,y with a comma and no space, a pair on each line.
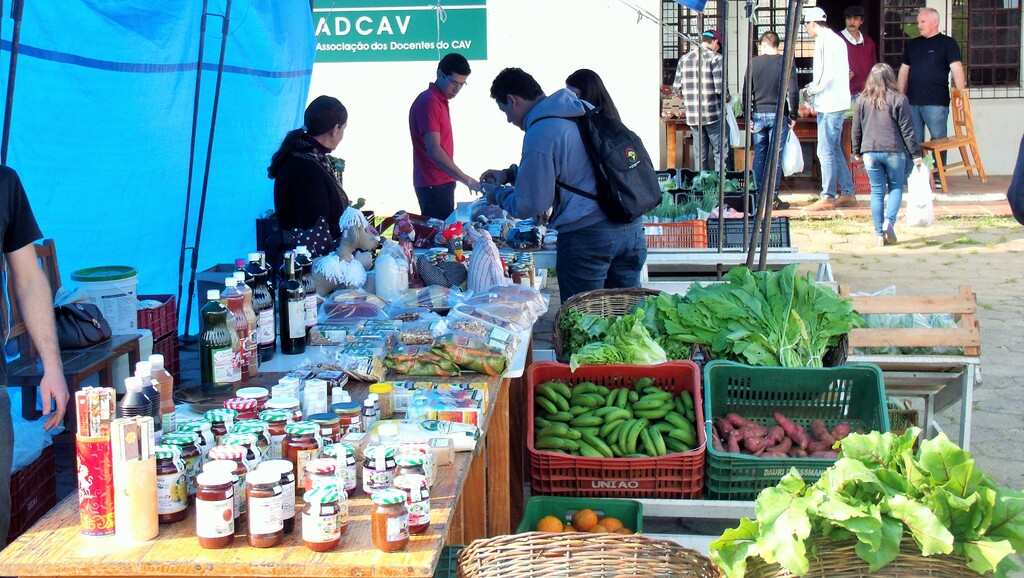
394,31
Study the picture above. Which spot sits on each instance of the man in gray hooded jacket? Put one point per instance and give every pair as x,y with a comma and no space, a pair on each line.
593,251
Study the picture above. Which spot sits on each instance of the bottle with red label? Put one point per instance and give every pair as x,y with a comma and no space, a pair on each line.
233,299
252,320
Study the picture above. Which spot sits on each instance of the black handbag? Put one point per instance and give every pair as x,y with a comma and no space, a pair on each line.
317,239
80,325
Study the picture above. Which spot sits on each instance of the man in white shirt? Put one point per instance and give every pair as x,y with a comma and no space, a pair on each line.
829,95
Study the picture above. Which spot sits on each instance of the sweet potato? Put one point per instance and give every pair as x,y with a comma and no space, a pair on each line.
774,454
742,423
782,447
797,452
724,427
818,446
825,454
756,445
792,430
821,432
732,444
717,444
841,430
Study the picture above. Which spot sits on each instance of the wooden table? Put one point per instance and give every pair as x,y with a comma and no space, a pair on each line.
677,133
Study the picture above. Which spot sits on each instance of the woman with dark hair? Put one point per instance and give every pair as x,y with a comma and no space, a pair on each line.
588,86
883,135
306,184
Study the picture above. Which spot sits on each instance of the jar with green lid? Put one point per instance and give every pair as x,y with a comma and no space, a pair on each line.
191,455
203,429
221,421
252,456
324,517
344,456
351,414
330,426
286,402
276,419
423,449
389,521
378,469
171,484
417,500
411,463
385,397
301,444
262,431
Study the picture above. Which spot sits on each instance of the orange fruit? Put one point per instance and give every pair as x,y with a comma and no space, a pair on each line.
624,530
549,524
598,529
568,528
584,520
611,523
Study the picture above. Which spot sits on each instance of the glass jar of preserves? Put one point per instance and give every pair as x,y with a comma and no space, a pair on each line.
221,458
351,417
263,504
289,403
389,522
417,500
324,518
385,398
246,407
344,456
283,468
330,427
409,463
204,430
247,441
191,455
215,520
300,445
276,419
319,472
260,394
422,448
221,420
171,484
378,469
261,430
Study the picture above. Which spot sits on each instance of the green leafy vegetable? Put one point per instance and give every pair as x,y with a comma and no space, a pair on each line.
597,353
579,329
630,340
878,492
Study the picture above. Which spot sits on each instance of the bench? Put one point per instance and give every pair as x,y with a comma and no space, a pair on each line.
940,380
79,364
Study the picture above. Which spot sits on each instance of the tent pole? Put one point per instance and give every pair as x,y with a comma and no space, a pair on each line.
186,338
209,154
17,7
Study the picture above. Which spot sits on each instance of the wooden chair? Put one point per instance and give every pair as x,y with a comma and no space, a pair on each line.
79,364
963,139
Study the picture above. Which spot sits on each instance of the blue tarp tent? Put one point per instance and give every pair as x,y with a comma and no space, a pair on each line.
101,126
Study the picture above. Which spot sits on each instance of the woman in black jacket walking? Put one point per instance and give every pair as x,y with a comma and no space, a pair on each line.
883,136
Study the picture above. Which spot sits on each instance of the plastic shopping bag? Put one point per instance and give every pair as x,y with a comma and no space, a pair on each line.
735,138
792,155
920,212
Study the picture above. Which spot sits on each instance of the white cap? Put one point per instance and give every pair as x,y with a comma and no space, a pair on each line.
387,429
254,256
238,276
143,368
156,360
212,294
230,282
133,383
373,397
300,248
814,14
367,403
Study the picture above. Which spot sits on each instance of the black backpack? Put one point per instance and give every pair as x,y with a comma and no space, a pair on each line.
627,186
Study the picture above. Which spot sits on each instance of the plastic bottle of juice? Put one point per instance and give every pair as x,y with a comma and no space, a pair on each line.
291,298
305,264
263,301
217,343
144,371
252,319
165,384
233,299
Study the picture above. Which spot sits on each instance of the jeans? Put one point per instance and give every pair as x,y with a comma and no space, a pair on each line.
605,255
830,154
437,201
6,463
763,129
710,144
888,173
935,118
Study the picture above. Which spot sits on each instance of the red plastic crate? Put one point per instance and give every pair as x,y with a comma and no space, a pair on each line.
861,184
33,493
168,347
162,320
685,235
679,475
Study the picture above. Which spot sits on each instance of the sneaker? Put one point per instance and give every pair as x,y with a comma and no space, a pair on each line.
822,204
846,201
881,241
888,233
779,205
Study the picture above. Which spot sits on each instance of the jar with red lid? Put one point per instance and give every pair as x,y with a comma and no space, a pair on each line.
350,414
260,394
300,445
221,420
263,504
252,456
417,500
289,403
319,472
191,455
283,468
215,521
221,458
389,522
171,484
276,419
378,469
245,406
324,518
261,430
330,427
204,430
344,456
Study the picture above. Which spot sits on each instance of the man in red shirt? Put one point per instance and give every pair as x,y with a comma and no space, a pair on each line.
434,173
859,48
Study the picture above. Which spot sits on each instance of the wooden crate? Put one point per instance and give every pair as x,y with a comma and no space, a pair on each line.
963,306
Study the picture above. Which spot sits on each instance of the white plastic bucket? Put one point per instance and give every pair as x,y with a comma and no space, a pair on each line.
112,289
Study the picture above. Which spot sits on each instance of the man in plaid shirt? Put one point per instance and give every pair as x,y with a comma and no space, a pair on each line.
699,82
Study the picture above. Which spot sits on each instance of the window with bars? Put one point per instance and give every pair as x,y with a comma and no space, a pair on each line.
899,24
989,34
675,18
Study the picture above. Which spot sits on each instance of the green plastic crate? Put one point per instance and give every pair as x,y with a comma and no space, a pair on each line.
629,512
448,563
853,393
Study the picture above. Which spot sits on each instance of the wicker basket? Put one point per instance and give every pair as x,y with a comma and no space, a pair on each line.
540,554
603,302
839,560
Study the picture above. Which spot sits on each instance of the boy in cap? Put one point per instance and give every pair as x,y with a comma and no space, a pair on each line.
859,47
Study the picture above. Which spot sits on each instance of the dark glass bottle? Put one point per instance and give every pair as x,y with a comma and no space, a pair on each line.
263,302
292,299
216,354
304,270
